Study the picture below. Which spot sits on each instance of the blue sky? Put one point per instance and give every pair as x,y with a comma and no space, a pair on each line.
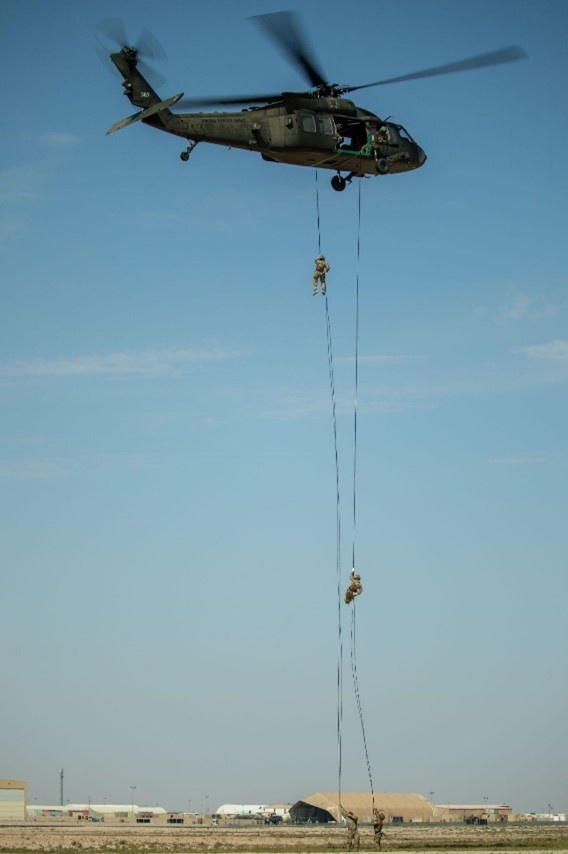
167,478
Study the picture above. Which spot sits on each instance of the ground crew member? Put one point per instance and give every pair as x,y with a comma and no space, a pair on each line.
378,821
322,267
353,838
354,589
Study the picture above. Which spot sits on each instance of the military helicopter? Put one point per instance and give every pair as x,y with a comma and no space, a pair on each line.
318,127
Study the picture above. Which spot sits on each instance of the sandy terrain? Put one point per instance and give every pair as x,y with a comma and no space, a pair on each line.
34,836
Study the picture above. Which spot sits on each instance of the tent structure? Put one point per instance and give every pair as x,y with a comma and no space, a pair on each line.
322,807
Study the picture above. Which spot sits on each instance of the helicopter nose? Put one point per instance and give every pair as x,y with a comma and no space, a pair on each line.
421,155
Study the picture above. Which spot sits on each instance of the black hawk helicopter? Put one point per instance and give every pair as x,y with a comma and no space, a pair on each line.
318,127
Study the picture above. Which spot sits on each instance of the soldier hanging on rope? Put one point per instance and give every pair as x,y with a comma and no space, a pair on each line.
355,588
378,821
353,838
322,267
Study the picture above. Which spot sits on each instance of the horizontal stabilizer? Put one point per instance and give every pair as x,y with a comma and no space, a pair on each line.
145,114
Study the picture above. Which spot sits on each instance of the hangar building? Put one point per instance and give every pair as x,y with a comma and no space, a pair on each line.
322,807
13,800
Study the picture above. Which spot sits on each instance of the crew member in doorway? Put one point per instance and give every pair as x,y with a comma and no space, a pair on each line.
322,267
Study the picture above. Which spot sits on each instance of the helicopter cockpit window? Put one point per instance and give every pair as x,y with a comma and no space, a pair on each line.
308,122
404,133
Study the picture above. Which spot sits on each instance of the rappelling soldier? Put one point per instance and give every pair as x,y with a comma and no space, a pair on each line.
353,839
355,588
322,267
378,821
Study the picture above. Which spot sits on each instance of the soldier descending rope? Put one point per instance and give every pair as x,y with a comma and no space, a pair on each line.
355,588
322,267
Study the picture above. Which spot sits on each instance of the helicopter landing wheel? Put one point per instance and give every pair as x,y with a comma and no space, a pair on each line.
185,154
338,183
382,166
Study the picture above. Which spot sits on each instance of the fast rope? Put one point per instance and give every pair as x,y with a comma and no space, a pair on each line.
353,650
354,609
337,521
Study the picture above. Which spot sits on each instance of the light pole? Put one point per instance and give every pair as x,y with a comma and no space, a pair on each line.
132,790
431,795
206,804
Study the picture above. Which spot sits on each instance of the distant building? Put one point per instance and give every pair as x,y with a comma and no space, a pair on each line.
13,797
323,807
473,813
242,810
93,812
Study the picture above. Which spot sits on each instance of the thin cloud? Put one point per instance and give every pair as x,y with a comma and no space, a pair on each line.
12,228
21,184
380,359
165,362
48,468
530,460
555,352
59,140
525,307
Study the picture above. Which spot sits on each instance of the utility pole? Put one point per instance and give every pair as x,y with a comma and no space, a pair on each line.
61,787
132,790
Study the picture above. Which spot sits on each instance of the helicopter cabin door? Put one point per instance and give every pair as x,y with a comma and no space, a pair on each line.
316,131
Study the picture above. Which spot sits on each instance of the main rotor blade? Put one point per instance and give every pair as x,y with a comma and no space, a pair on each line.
285,30
230,100
495,57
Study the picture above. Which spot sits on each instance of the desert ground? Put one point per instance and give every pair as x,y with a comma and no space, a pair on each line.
294,839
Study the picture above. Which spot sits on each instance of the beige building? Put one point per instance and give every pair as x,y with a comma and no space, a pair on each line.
13,797
322,807
473,813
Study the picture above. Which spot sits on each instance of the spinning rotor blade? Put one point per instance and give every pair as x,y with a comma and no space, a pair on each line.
496,57
284,29
104,57
113,29
147,47
147,44
230,100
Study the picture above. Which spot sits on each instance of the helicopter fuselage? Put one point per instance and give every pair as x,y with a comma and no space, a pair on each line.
323,132
327,133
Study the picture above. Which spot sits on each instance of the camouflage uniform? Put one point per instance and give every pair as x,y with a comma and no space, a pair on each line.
353,838
322,267
378,827
354,589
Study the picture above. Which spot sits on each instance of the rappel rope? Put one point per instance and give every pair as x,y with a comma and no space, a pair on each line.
354,609
353,651
338,523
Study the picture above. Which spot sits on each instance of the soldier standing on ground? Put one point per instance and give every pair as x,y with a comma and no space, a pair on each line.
378,821
353,838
